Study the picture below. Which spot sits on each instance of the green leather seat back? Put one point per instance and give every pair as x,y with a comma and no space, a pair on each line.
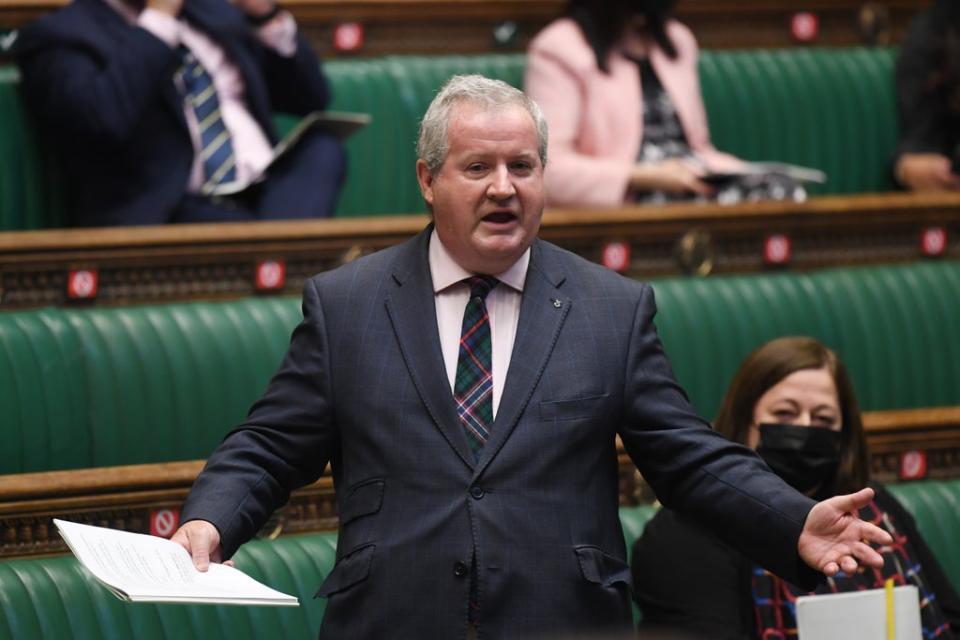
127,385
53,598
829,108
56,598
832,109
396,91
935,505
30,196
895,327
100,387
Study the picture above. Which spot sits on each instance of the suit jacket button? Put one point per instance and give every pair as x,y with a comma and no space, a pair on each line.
476,491
459,569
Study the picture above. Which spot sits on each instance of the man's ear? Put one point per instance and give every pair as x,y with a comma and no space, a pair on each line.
425,180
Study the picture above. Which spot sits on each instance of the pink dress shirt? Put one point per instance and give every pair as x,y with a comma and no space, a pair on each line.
503,305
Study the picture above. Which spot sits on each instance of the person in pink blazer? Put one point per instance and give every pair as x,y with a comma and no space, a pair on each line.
583,71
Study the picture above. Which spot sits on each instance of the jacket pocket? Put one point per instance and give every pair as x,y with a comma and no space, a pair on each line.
572,409
351,569
600,568
362,500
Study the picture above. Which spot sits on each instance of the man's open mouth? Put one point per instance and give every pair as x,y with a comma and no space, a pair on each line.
500,217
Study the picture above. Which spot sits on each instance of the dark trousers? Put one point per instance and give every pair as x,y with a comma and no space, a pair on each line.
304,183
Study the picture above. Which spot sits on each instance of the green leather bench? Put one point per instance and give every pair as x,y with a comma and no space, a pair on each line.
828,108
896,327
128,385
935,505
55,598
102,387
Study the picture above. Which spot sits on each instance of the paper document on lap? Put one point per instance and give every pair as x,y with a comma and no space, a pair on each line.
340,124
143,568
765,170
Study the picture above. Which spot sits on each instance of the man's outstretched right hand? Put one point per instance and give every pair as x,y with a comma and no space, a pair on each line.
202,541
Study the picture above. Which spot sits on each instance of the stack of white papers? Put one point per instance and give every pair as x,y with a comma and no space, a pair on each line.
142,568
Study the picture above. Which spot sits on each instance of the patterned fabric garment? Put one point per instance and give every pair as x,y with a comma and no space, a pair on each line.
775,601
663,139
473,384
216,147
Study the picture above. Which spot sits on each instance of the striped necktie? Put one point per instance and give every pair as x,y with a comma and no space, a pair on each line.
473,385
216,147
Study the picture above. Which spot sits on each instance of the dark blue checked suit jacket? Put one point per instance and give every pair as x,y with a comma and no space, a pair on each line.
363,385
104,92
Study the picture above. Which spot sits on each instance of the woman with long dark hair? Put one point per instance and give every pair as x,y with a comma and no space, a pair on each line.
928,97
619,85
792,401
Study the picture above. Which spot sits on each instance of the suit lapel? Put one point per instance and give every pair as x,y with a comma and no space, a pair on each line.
412,310
543,311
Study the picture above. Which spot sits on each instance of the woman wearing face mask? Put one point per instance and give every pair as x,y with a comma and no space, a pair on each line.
618,83
793,402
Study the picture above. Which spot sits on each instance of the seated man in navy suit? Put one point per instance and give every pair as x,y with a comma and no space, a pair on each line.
162,110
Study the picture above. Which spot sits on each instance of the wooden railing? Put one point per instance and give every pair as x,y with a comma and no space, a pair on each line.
182,262
474,26
136,497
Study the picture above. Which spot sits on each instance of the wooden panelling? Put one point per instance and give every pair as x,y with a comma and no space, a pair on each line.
467,26
182,262
127,497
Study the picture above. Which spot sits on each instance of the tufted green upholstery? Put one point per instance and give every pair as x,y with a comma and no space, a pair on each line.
52,598
30,192
55,598
895,327
936,508
101,387
107,386
833,109
828,108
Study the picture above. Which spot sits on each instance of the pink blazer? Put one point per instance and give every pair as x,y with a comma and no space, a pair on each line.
596,120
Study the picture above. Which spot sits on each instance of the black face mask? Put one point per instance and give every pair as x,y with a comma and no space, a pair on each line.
805,457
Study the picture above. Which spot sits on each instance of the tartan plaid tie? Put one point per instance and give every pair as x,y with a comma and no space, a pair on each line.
473,386
216,148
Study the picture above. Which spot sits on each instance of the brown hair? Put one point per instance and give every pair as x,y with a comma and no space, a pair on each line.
771,363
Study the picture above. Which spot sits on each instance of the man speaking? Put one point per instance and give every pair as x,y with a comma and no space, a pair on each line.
467,387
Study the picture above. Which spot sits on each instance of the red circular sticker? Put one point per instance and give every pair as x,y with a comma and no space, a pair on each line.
616,256
163,522
348,36
933,241
804,26
776,249
82,284
913,465
271,274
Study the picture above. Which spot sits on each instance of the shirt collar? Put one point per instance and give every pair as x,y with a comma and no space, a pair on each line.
446,272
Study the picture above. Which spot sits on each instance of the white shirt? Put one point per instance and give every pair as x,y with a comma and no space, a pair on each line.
503,306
